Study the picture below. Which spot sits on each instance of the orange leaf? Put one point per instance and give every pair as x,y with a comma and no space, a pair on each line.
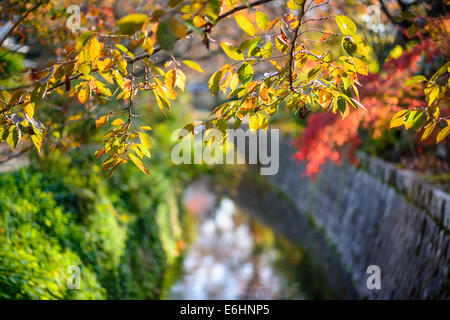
100,122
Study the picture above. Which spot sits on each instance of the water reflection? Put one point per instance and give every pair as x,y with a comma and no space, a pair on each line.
233,257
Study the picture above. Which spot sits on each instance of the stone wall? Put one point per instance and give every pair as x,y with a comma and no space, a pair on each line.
377,215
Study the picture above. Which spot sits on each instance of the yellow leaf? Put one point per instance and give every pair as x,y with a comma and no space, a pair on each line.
94,48
253,122
29,109
117,122
100,122
248,104
226,82
138,150
120,61
147,46
146,141
245,25
432,93
232,52
37,141
360,66
346,25
194,65
264,92
104,65
148,128
261,20
293,5
199,21
428,130
84,93
234,81
84,62
443,133
171,78
138,163
101,89
398,119
181,80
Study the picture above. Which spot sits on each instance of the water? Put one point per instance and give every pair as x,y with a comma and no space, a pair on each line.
233,256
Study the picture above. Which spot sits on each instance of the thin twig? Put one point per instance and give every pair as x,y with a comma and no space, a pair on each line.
20,21
294,39
145,55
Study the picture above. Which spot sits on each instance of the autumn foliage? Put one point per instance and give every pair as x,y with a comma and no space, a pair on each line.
393,98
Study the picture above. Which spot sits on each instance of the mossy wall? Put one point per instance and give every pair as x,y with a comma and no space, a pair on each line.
376,215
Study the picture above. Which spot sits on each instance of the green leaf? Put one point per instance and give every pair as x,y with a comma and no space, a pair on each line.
346,25
404,15
410,119
412,30
38,94
214,82
84,62
14,136
213,8
83,39
313,72
131,23
267,50
232,52
245,73
165,37
349,45
440,71
245,25
345,81
339,104
414,80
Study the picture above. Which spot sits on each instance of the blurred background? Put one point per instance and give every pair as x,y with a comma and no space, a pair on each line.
350,192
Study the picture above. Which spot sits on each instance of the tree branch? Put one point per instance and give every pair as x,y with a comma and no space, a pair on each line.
387,13
294,39
20,21
145,55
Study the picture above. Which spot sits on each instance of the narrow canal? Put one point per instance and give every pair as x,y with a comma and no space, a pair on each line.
235,256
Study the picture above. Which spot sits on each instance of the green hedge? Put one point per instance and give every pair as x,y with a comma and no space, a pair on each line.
121,232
